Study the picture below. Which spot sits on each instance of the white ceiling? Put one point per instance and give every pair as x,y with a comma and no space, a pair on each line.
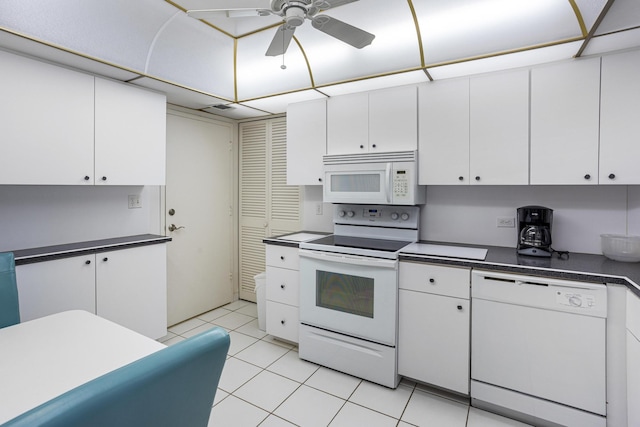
153,43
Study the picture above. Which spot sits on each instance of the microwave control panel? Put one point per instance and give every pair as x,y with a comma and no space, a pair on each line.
400,183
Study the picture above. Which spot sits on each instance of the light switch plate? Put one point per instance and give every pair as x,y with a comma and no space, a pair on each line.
134,201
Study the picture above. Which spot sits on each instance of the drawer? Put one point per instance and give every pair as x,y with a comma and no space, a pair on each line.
435,279
282,321
282,285
283,257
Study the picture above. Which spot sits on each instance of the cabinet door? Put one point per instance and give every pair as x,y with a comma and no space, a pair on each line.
499,145
433,340
348,124
46,117
619,124
131,288
50,287
130,139
444,133
393,119
565,109
306,142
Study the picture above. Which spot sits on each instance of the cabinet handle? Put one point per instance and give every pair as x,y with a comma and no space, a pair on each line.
587,176
459,307
282,322
104,178
282,286
87,262
373,146
477,178
612,176
87,178
319,179
105,259
432,280
282,257
362,146
461,178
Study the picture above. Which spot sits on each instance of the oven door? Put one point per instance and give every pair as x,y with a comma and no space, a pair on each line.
348,294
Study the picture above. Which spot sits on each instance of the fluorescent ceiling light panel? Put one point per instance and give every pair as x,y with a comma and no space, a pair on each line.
413,77
278,104
505,62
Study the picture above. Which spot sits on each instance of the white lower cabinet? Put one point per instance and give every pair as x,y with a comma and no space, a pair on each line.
282,292
126,286
434,325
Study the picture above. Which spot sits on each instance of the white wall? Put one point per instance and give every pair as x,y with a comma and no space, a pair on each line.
310,220
467,214
34,216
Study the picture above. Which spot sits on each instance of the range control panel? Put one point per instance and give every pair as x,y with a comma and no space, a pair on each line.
377,215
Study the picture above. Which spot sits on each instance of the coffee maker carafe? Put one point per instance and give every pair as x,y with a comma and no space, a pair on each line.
534,231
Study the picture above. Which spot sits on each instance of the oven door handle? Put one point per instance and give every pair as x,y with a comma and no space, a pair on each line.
349,259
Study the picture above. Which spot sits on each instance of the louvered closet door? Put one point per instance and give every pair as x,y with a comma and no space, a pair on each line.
268,206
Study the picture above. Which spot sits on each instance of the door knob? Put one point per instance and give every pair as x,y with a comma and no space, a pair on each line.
173,227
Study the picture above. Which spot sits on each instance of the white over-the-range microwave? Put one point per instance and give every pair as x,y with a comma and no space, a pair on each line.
373,178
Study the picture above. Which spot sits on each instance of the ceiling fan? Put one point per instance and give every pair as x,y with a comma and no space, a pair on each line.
293,12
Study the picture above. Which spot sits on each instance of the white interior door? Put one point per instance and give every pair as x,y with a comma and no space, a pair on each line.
199,198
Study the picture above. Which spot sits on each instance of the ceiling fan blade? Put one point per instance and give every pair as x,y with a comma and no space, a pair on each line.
342,31
329,4
280,41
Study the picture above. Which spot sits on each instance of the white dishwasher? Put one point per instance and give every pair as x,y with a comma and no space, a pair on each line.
538,349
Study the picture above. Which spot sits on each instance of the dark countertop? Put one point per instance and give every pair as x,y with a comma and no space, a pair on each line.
579,266
47,253
278,240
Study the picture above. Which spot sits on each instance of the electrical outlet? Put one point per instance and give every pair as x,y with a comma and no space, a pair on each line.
505,222
318,208
134,201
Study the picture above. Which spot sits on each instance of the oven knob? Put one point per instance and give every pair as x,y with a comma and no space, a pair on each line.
341,214
404,216
394,216
350,214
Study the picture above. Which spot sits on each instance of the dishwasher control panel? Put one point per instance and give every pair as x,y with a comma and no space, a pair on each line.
573,299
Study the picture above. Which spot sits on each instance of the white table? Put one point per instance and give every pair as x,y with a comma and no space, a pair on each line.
46,357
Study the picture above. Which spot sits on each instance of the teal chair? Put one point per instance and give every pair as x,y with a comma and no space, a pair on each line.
9,308
171,387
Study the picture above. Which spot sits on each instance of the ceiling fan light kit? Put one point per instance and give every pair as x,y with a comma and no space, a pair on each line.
294,13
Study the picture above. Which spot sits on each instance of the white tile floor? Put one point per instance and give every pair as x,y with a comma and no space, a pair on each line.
265,384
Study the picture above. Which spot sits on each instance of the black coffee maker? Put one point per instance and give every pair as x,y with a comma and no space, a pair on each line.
534,231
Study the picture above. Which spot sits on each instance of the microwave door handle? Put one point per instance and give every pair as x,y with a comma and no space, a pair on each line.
387,184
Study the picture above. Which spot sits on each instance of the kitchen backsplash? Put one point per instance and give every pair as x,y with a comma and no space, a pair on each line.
468,214
34,216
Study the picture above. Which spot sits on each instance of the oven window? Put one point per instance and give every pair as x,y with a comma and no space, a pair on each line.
362,183
342,292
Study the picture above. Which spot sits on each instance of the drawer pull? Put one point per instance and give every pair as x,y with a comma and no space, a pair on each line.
282,257
432,280
282,322
87,262
282,286
459,307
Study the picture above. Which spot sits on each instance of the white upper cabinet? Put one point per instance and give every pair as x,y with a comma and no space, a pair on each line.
306,141
348,124
130,139
620,119
63,127
499,128
379,121
565,108
46,116
393,119
443,142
